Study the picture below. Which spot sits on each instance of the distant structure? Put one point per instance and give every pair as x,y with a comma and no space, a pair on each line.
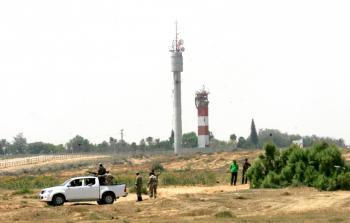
202,102
122,134
298,142
177,68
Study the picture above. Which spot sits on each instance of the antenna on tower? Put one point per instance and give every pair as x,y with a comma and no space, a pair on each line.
177,43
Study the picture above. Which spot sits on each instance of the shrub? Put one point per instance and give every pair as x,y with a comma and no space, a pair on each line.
224,214
321,166
157,166
343,181
272,180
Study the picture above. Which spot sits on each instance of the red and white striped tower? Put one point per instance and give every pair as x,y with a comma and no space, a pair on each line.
203,121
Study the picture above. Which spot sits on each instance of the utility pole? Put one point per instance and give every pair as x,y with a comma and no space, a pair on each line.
122,135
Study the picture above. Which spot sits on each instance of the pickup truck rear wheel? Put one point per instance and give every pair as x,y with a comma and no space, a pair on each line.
57,200
100,202
108,198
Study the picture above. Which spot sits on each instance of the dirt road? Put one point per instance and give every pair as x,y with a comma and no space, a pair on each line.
220,203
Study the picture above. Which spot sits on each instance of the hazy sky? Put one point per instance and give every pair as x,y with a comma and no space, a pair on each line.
95,67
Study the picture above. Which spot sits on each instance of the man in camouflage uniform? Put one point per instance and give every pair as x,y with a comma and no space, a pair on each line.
246,166
152,185
101,174
101,170
138,186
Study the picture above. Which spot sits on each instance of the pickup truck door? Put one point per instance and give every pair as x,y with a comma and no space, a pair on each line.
74,190
91,189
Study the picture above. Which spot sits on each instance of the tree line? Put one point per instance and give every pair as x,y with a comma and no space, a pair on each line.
79,144
280,139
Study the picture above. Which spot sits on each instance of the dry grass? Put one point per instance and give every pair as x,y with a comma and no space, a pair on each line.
208,204
218,203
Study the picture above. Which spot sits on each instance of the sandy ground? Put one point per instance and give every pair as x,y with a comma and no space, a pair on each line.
190,204
211,161
220,203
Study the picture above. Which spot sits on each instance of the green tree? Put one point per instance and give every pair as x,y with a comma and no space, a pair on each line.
142,144
133,145
44,148
233,137
254,135
171,138
149,140
211,135
241,142
79,144
19,145
190,140
103,147
4,146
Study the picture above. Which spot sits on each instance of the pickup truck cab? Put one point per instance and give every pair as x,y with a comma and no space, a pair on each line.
86,188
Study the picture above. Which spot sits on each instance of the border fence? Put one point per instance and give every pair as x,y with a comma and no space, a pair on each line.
36,159
29,160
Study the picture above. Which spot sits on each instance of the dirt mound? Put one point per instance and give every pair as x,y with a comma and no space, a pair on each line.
211,161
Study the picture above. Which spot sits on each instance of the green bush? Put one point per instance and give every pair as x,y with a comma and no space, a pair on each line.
343,181
224,214
157,166
321,166
272,180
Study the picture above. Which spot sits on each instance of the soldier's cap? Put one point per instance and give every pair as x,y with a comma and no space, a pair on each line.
100,164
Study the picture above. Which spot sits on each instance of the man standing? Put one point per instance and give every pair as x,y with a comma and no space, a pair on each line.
101,170
246,165
138,186
152,185
101,174
234,170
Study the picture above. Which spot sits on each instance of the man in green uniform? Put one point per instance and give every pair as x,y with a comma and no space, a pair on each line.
138,186
234,170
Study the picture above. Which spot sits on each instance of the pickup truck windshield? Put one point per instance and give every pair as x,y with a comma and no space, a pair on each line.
65,182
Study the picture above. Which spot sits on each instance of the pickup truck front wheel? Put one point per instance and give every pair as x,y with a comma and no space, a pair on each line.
57,200
108,198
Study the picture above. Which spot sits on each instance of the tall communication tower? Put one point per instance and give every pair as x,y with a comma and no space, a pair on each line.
177,68
202,102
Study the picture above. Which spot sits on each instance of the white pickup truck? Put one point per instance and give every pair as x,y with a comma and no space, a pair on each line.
85,188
